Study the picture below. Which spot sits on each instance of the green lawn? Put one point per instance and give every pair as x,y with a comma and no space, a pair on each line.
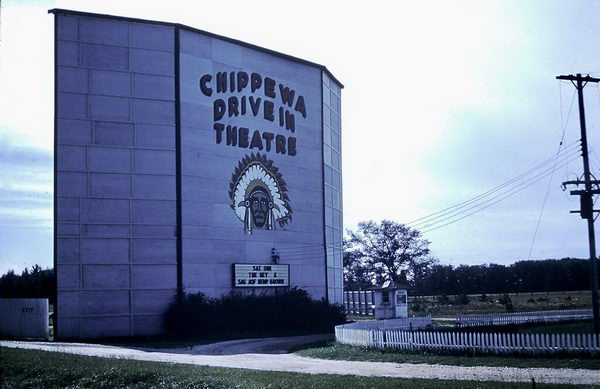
40,369
338,351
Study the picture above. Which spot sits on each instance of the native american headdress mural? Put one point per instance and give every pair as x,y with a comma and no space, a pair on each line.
258,194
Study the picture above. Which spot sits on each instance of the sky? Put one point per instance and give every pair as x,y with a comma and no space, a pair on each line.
443,101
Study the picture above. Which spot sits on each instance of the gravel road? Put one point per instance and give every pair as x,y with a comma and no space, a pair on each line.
266,354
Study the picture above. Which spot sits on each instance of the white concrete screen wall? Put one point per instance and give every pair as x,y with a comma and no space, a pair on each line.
179,153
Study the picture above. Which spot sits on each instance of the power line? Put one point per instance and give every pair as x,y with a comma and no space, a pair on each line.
563,125
484,198
423,219
508,194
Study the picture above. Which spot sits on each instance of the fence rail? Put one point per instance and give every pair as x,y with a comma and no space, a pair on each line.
403,323
496,319
482,343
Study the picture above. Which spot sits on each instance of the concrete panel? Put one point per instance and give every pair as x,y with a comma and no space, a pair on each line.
109,108
213,251
189,81
154,211
148,325
154,87
204,189
142,231
196,115
197,213
152,62
155,136
154,251
72,79
147,36
112,160
154,187
67,276
104,57
69,303
152,301
105,276
105,211
106,230
67,209
154,162
106,82
71,158
74,131
195,275
153,111
110,185
195,44
105,302
313,275
224,276
67,250
154,276
64,229
68,53
71,184
113,134
72,105
68,27
68,328
110,32
105,251
99,327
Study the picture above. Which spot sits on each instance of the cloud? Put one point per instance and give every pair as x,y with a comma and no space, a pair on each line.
26,188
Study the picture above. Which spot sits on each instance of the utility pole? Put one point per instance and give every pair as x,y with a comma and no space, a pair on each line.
587,195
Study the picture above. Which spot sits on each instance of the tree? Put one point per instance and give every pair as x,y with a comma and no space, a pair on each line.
389,250
356,272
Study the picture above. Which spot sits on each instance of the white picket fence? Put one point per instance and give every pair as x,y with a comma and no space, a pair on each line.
477,343
403,323
496,319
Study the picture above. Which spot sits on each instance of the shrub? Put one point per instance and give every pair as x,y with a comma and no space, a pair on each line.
292,310
443,299
461,299
507,302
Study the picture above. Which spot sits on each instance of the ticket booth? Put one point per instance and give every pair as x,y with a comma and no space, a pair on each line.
390,300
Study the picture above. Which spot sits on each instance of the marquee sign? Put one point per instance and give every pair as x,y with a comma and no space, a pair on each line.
256,275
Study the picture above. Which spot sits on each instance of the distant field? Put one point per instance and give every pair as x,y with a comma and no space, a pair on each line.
492,303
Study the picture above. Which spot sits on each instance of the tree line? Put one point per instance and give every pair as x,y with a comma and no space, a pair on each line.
549,275
31,283
388,250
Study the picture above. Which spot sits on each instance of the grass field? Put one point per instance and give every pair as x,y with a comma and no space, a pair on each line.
423,305
338,351
39,369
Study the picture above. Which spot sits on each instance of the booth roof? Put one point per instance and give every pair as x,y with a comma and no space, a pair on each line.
390,285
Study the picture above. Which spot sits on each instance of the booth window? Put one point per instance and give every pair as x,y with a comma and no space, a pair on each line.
401,298
385,297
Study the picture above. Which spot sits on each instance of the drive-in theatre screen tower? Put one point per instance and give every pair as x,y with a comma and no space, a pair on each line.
187,162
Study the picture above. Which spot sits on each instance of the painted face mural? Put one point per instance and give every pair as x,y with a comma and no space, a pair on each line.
258,194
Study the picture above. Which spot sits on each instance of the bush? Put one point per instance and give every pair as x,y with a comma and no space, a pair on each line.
461,299
443,300
292,310
507,302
